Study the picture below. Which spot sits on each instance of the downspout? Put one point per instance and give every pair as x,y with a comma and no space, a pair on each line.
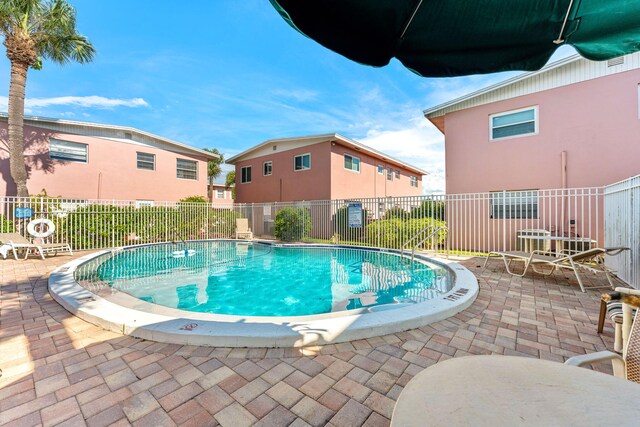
563,160
99,184
564,169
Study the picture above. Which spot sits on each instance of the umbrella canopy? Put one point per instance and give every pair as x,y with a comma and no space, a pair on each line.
439,38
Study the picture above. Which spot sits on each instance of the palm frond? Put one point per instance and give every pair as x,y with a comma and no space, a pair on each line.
65,48
52,27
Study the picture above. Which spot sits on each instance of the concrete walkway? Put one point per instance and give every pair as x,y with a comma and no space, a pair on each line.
60,370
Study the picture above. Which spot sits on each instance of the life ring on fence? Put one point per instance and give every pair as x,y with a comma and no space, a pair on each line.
45,228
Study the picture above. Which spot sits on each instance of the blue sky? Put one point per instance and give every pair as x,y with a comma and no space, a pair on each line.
231,74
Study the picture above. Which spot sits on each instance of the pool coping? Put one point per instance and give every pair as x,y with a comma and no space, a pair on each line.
128,315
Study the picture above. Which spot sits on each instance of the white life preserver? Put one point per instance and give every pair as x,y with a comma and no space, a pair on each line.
46,228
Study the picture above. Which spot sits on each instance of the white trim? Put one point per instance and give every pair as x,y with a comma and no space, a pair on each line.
246,167
263,165
506,113
352,157
303,169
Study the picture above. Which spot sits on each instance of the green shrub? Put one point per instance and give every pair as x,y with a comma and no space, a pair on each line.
341,225
396,212
393,233
90,227
194,199
6,225
429,209
292,224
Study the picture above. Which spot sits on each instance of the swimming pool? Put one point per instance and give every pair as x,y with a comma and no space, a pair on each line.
250,294
264,280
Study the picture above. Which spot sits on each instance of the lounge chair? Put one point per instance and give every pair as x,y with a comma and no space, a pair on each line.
592,259
17,242
242,229
613,309
626,366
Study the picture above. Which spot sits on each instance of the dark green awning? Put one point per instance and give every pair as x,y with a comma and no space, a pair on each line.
439,38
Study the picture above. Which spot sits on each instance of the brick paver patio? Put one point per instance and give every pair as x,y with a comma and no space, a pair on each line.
60,370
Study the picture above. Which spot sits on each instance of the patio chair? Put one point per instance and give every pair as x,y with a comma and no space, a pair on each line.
626,366
17,242
242,229
592,260
613,308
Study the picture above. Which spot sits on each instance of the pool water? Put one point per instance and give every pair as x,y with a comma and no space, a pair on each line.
238,278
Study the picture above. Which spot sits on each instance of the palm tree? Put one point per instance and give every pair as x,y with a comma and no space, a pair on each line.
213,170
35,30
231,182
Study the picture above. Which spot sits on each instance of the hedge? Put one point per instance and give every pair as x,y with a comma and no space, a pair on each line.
292,224
393,233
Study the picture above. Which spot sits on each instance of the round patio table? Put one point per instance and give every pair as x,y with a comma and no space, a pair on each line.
515,391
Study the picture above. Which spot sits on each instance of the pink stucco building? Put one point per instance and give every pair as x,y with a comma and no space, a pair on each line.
84,160
221,196
575,123
320,167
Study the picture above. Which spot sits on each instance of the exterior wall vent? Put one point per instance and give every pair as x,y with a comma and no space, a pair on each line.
128,135
615,61
275,147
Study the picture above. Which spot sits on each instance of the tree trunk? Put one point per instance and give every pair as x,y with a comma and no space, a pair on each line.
210,189
16,127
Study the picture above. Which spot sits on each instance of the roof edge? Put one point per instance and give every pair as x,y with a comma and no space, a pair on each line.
329,136
116,127
429,112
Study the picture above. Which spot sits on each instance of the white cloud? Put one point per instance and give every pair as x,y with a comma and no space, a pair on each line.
420,145
92,101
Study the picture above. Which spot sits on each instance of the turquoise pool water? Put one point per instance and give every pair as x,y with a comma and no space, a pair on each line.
228,277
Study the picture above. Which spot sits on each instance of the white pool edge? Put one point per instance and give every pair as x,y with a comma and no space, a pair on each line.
182,327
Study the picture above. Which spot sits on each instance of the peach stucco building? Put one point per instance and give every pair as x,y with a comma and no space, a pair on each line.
221,195
575,123
320,167
84,160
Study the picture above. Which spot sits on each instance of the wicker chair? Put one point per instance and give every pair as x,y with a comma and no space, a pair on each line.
626,366
613,309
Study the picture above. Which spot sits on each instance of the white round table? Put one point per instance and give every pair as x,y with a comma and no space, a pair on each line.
515,391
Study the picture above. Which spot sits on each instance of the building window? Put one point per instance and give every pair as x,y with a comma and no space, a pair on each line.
397,174
514,123
389,174
302,162
68,151
414,181
245,174
187,169
514,204
267,168
380,169
351,163
219,194
146,161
